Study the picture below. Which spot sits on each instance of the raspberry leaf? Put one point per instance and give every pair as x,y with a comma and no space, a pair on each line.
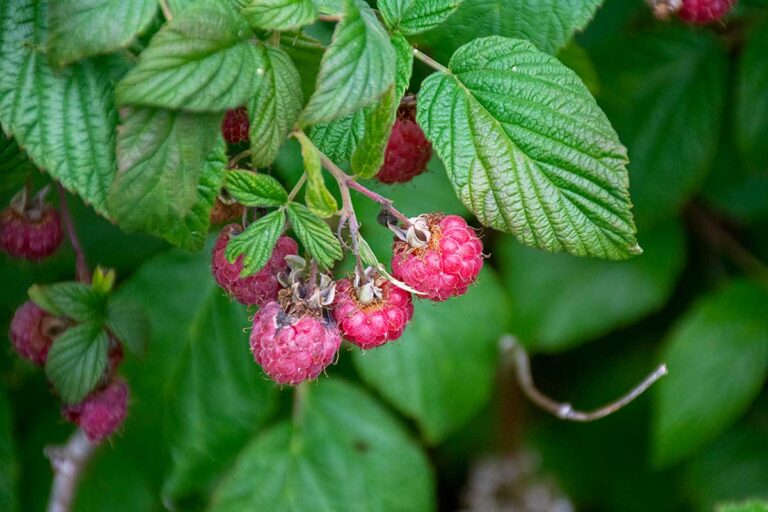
314,234
339,138
356,69
318,198
15,167
255,244
83,28
306,54
718,362
368,156
77,360
129,323
77,301
415,16
255,189
528,150
280,14
209,41
752,101
275,106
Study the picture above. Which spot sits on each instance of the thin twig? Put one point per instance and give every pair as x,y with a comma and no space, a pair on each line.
329,17
166,10
297,187
81,264
511,348
429,61
235,159
68,462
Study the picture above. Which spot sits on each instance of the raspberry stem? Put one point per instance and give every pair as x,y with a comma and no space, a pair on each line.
68,462
166,10
81,264
429,61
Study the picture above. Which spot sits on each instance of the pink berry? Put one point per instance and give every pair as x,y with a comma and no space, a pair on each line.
371,325
258,288
102,412
700,12
446,265
408,151
33,331
293,348
31,237
235,126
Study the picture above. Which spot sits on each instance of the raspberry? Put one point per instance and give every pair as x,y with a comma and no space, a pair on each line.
442,261
408,151
381,319
700,12
235,126
102,411
258,288
33,331
30,234
293,347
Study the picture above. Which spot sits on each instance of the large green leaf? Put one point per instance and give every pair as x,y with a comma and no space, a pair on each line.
528,151
441,372
347,453
64,120
339,138
255,189
255,244
8,468
414,16
752,100
560,301
356,69
718,360
315,235
280,14
77,360
83,28
202,60
161,155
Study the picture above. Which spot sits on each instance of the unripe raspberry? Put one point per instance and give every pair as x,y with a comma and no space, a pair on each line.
258,288
371,318
31,235
235,126
408,151
102,412
441,262
292,348
33,330
700,12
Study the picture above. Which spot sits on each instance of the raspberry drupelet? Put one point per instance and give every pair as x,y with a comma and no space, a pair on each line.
408,150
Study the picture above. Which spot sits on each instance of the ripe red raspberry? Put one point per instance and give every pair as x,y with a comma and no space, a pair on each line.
30,234
700,12
33,330
408,151
102,412
235,126
292,348
443,260
258,288
381,319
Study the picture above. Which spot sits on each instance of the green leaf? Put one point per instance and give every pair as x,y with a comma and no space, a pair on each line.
255,244
751,100
15,167
77,301
314,234
255,189
718,359
319,199
8,468
368,156
356,69
528,151
161,156
339,138
129,323
330,7
77,360
548,24
275,106
64,120
306,53
550,316
747,506
208,41
404,64
415,16
280,14
424,386
347,454
83,28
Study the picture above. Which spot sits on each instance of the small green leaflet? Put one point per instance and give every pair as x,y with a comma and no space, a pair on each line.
76,362
208,41
280,14
74,300
339,138
255,189
318,198
356,68
314,234
129,323
528,150
15,167
255,244
403,64
369,154
414,16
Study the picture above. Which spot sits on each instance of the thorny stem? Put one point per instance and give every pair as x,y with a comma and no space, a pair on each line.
349,217
166,10
68,462
565,411
81,264
429,61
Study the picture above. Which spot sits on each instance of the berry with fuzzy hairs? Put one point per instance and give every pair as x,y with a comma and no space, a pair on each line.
258,288
440,256
102,412
235,126
293,347
30,234
33,330
373,314
408,151
700,12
